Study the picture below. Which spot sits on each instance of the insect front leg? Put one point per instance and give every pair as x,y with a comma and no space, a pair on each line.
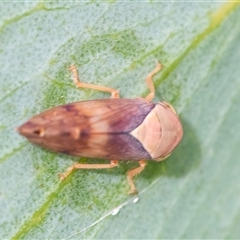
79,84
149,81
112,164
132,173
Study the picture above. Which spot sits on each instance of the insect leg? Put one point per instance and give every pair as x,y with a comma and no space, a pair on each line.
149,81
132,173
112,164
73,69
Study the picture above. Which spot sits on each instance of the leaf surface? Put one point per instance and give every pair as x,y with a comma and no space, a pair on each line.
195,192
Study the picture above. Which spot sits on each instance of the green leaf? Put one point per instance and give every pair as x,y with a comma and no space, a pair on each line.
195,192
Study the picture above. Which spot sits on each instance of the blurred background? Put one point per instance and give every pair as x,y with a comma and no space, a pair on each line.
195,192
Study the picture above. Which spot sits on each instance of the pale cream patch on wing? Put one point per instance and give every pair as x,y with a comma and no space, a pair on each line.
99,125
149,132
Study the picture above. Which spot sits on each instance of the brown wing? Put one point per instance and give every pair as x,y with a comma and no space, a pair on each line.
97,128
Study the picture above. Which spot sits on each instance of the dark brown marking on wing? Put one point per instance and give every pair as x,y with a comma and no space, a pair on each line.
125,115
109,107
125,147
84,133
69,107
65,134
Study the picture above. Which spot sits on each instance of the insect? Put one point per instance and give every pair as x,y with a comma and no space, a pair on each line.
114,129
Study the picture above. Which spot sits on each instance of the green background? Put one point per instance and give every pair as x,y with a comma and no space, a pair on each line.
195,192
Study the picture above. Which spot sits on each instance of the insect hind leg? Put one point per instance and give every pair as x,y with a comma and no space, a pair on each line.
112,164
132,173
79,84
